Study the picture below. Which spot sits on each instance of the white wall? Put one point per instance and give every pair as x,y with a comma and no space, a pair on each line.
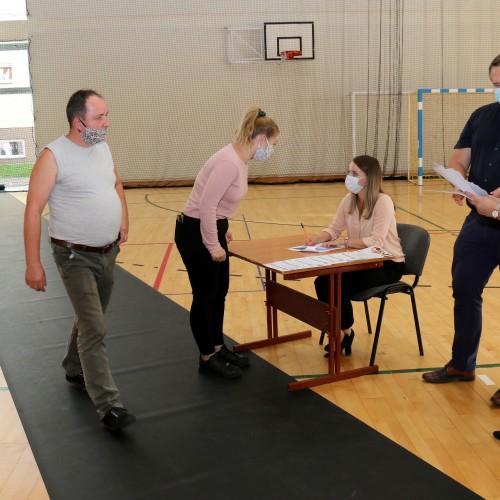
174,99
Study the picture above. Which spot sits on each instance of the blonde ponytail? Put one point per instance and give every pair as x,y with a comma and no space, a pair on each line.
255,122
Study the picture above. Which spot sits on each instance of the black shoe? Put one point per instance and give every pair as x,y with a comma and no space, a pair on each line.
345,344
78,380
218,364
117,418
233,357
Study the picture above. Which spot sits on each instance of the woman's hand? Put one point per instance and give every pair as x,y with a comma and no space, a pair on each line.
334,243
218,255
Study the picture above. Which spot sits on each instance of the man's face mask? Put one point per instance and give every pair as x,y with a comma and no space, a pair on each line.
92,137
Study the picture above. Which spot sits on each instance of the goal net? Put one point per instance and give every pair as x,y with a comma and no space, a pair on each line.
438,117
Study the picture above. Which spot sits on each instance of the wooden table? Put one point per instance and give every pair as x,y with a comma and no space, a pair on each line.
324,317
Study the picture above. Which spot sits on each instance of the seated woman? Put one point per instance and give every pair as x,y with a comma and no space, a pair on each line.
368,215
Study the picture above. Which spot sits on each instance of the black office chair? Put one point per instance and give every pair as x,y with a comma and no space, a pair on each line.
415,241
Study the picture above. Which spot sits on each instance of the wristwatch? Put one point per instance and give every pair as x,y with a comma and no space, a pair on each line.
494,214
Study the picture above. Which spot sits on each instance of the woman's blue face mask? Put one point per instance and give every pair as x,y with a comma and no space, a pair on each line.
263,154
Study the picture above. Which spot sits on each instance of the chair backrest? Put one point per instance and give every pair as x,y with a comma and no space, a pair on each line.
415,241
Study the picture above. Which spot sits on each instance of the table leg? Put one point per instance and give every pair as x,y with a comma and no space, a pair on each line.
334,372
273,337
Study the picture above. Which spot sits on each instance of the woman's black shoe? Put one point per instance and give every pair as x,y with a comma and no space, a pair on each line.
233,357
216,363
345,344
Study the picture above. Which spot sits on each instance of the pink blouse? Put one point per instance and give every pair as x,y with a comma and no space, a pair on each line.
219,187
380,230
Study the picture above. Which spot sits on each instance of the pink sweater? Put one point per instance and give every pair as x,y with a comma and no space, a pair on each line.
380,230
219,187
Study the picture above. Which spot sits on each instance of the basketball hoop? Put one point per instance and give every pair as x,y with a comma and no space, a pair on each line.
290,55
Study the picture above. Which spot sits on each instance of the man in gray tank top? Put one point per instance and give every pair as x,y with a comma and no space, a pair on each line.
76,176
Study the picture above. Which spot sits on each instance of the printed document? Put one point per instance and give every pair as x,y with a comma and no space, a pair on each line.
462,185
328,260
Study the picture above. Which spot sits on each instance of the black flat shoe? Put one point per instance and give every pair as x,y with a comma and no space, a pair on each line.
77,380
117,418
233,357
217,364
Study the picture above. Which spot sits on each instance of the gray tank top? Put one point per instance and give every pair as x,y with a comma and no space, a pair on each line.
84,205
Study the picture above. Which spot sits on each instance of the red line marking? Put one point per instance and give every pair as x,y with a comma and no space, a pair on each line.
161,271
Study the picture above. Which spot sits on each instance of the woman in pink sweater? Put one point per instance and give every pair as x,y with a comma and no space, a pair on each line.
368,216
202,235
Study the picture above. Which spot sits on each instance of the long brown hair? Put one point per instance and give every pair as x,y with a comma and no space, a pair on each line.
371,168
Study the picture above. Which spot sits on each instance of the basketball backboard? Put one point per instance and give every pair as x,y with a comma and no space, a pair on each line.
289,36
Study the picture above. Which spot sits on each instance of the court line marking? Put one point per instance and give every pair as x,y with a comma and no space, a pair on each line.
163,266
487,380
406,370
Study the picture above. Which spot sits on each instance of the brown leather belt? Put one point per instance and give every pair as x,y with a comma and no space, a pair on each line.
83,248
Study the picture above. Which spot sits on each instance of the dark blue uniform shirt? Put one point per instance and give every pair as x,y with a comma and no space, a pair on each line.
482,134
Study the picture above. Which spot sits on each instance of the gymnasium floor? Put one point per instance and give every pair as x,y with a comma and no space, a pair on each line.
449,426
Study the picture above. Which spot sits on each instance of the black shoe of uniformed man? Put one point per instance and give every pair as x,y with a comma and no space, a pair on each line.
117,418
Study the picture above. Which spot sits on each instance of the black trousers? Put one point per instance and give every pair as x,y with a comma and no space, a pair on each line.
356,281
209,282
476,255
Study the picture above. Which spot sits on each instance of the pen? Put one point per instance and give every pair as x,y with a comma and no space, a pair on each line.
308,240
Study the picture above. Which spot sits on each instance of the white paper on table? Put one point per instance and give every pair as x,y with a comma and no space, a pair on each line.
328,259
454,177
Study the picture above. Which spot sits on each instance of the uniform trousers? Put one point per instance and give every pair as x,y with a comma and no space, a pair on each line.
476,254
209,281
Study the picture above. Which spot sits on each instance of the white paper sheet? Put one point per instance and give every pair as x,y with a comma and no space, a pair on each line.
328,260
454,177
448,191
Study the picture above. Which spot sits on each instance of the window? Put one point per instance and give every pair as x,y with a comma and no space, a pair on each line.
12,149
5,72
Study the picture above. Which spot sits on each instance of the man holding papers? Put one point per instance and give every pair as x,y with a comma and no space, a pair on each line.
477,248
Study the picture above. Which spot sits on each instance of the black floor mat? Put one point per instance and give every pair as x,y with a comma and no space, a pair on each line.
196,436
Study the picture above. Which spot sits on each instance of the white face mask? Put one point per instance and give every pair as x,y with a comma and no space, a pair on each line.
263,154
352,185
497,94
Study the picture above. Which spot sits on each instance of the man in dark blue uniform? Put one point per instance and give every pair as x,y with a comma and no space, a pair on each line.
477,249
